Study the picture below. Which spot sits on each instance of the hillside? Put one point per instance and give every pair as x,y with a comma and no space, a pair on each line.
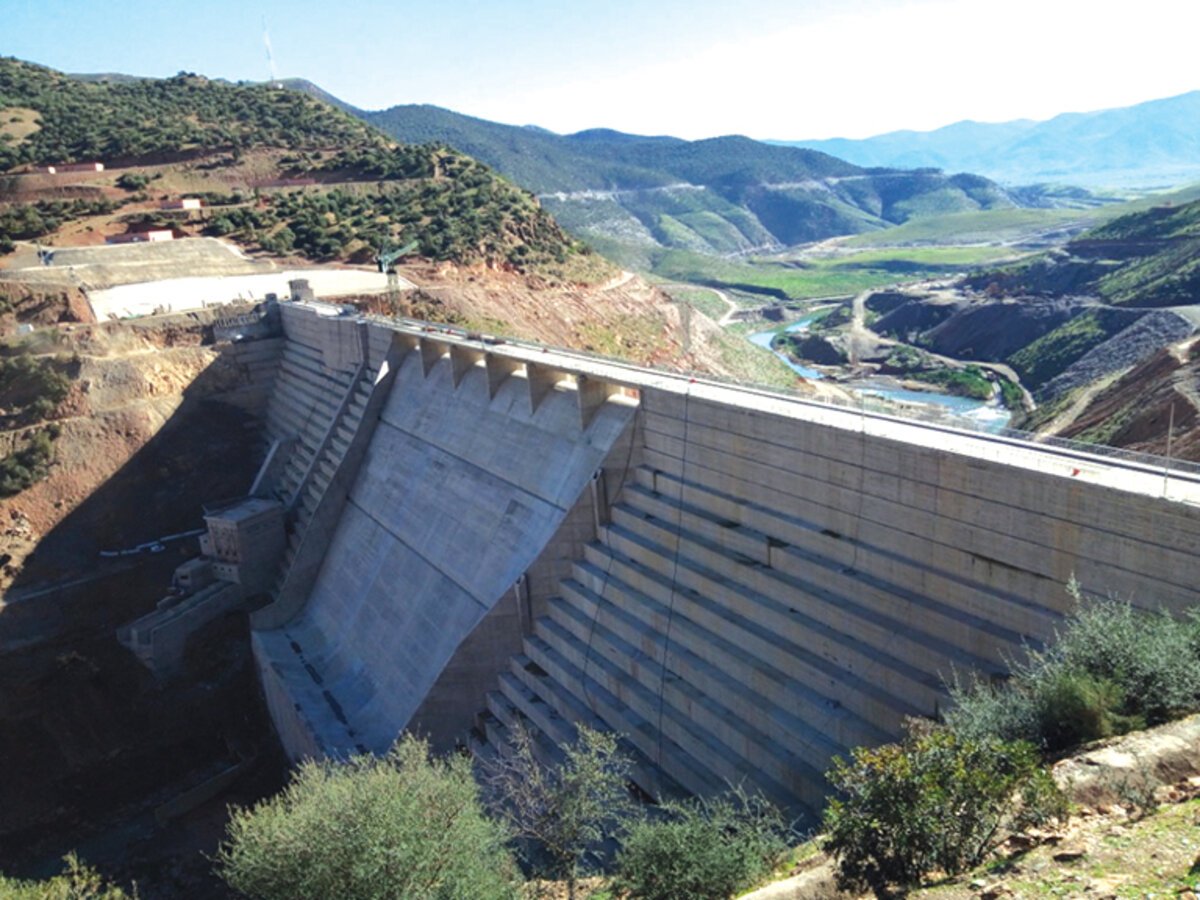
1099,330
1152,143
1149,258
631,193
279,171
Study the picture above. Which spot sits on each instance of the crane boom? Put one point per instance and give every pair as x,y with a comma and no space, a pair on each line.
385,259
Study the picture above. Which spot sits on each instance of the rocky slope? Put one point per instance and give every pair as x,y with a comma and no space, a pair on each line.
1153,399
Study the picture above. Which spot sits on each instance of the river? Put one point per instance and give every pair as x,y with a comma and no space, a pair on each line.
975,414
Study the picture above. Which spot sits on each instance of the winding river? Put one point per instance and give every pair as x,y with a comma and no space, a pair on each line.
975,414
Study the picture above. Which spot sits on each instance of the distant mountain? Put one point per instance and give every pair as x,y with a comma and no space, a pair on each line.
721,195
1150,144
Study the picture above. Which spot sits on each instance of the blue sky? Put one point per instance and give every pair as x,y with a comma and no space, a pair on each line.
766,68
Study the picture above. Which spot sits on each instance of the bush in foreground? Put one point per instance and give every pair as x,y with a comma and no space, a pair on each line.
401,826
78,882
1111,669
936,802
568,809
705,850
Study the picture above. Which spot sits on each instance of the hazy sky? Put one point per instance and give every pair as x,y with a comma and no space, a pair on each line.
691,68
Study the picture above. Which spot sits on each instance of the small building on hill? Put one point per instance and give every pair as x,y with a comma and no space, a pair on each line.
182,203
73,167
141,237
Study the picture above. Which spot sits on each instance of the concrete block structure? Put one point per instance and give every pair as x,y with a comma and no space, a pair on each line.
742,584
244,543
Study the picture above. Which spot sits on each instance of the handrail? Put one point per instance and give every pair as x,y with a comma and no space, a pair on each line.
865,405
327,438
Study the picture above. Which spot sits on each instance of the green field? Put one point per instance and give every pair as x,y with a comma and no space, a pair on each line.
982,226
1010,225
801,279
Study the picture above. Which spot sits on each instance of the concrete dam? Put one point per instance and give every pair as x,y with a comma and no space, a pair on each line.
740,583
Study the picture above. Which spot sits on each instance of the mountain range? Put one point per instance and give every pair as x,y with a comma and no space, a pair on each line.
1156,143
632,193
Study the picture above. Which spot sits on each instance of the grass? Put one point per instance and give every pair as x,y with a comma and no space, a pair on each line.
1148,858
702,299
824,276
18,123
982,226
1010,225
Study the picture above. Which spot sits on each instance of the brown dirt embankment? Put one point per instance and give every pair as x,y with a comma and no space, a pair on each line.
1153,401
39,305
623,317
130,382
92,743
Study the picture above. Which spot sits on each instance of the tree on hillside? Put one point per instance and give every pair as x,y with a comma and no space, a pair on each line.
401,826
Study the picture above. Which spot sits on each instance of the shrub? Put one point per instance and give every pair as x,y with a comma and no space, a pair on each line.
398,827
707,850
78,882
566,809
1111,669
1150,656
132,181
25,467
936,801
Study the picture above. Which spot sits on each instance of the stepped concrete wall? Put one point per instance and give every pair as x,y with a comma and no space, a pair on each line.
464,482
751,585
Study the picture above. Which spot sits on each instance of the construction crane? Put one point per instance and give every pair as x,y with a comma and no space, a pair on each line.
386,260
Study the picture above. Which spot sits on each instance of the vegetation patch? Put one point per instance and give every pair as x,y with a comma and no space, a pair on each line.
938,802
831,276
702,849
399,826
1112,668
29,464
28,221
77,882
32,387
1051,354
970,381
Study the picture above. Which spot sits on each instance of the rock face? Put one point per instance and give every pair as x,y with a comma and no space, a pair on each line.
1160,756
1144,338
978,327
1158,396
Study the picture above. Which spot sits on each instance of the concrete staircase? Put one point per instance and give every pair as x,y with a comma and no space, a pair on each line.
728,652
322,409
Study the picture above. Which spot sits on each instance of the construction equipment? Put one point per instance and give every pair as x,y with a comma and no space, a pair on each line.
386,260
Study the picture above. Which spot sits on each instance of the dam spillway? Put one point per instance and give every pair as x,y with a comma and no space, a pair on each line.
742,584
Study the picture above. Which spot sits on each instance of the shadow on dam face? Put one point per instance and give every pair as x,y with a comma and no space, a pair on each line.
742,584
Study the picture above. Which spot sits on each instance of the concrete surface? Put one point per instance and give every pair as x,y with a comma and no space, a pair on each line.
752,585
179,294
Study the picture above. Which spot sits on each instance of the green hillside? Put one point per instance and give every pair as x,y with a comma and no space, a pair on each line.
138,120
1147,258
356,188
722,195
